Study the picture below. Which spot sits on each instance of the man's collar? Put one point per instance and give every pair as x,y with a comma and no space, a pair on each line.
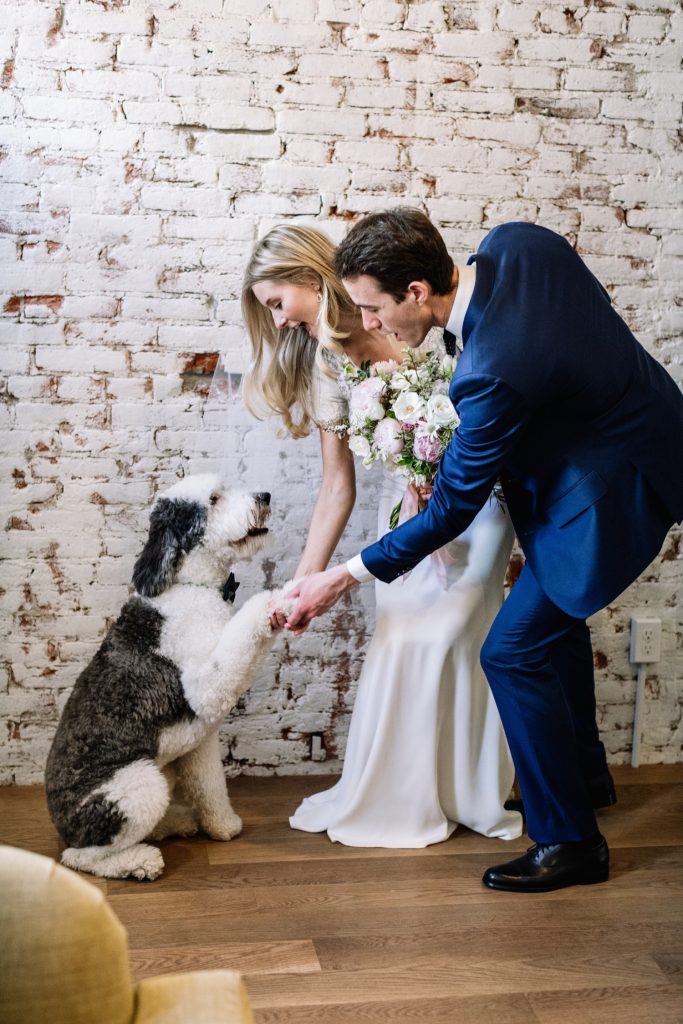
463,294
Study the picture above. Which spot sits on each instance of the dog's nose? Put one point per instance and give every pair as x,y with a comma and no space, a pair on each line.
263,497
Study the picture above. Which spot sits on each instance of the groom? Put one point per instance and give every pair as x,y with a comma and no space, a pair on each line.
584,429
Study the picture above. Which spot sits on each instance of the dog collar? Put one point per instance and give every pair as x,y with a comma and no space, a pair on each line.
229,588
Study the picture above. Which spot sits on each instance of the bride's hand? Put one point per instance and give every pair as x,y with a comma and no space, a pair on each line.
316,594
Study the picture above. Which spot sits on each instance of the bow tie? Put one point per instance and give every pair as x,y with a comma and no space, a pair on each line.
229,588
449,343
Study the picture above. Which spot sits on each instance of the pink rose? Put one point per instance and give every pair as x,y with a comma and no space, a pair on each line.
388,438
425,447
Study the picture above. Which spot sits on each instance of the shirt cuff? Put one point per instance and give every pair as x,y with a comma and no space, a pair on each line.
357,568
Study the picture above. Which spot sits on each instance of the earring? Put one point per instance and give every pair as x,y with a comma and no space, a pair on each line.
320,296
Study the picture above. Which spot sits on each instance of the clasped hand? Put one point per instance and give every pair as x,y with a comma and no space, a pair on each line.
314,595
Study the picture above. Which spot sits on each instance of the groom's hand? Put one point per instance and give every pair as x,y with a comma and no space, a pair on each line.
316,594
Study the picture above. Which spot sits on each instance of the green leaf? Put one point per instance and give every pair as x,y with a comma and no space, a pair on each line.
395,513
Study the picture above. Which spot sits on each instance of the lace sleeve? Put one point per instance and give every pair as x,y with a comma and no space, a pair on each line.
329,405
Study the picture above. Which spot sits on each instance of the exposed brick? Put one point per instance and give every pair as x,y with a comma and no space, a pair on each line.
315,122
7,74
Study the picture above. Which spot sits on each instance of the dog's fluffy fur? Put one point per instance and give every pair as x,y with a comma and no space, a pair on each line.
144,715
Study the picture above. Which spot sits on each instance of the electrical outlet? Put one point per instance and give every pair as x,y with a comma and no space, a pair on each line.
646,638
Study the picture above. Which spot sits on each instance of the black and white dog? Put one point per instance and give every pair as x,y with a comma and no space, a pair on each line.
144,715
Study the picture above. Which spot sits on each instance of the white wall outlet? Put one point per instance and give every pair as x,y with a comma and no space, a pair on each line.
646,639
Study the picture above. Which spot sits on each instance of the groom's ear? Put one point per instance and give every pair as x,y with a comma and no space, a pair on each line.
420,291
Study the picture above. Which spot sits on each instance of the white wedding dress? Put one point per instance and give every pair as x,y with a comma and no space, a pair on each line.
426,749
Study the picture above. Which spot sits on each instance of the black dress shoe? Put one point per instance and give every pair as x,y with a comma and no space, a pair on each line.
546,867
601,789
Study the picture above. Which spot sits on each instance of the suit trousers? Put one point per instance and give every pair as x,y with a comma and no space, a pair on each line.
539,664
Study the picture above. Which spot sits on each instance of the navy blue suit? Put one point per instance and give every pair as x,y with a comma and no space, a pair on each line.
559,401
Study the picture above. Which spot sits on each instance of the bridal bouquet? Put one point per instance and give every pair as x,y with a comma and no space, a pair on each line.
400,414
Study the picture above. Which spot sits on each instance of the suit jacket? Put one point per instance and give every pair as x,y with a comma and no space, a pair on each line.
559,400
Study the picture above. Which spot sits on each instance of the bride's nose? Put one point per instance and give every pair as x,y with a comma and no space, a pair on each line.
279,319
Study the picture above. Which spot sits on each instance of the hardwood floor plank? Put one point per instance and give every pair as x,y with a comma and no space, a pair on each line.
508,1009
464,978
671,964
338,953
248,957
645,816
647,774
605,1005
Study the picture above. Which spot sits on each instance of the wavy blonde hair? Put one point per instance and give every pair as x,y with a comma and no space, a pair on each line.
284,384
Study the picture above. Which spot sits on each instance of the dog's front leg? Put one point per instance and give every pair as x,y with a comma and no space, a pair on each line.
215,686
202,782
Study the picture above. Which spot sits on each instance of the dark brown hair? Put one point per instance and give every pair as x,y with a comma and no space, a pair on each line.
396,247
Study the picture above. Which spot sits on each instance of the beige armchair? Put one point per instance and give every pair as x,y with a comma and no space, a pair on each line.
64,959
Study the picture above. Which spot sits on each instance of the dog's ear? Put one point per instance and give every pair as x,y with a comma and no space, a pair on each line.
174,529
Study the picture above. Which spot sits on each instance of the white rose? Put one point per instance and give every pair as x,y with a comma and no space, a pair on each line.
408,407
399,383
359,445
440,411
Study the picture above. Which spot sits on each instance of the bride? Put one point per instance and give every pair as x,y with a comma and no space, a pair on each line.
426,749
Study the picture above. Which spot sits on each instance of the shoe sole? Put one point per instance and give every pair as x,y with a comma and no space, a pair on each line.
594,879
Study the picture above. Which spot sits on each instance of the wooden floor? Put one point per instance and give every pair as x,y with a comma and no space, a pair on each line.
332,934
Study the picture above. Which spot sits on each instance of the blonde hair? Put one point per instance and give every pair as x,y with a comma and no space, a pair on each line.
304,256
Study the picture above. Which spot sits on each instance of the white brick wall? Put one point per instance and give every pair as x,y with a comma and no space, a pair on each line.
144,147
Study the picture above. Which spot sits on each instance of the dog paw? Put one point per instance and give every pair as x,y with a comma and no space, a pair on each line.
280,603
139,861
224,828
148,867
284,604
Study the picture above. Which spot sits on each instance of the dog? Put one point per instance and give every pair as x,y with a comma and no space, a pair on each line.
144,715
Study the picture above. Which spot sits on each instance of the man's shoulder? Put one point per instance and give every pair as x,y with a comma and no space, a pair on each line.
512,247
521,234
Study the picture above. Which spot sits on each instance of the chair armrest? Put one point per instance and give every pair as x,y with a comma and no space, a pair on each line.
203,997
